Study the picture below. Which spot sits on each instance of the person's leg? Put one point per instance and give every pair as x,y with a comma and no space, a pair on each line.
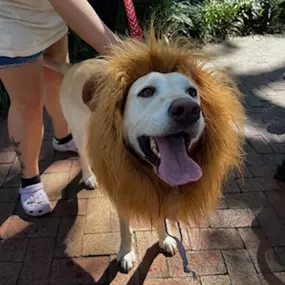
63,141
25,87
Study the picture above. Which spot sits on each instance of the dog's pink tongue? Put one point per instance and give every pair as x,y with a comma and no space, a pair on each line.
176,167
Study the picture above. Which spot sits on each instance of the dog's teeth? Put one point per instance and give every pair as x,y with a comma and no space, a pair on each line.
153,147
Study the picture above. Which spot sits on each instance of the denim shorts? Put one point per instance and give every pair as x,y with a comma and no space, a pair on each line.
19,60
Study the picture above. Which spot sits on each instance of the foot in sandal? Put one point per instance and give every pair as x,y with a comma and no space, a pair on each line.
34,200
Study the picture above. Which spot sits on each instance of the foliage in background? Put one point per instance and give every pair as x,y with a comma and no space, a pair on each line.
218,19
261,16
215,20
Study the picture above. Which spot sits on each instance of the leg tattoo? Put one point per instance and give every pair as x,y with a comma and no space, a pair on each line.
18,152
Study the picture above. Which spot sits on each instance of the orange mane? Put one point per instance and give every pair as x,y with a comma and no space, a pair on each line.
133,187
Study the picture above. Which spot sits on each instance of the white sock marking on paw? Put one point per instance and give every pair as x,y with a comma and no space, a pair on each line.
127,261
168,245
91,182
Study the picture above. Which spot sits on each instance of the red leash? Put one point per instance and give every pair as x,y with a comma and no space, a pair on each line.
135,30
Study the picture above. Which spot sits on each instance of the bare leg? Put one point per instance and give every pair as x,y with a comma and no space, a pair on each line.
126,255
166,242
25,87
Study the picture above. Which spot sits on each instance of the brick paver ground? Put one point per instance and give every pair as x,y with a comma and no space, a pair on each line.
243,242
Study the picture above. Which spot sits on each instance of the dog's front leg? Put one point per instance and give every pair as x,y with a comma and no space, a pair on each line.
126,256
166,242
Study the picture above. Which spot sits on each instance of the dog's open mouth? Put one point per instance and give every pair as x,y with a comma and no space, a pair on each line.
170,159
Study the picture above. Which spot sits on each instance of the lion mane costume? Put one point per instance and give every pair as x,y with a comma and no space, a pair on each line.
133,187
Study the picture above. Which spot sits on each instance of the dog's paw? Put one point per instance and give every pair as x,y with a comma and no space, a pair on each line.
90,182
127,261
168,245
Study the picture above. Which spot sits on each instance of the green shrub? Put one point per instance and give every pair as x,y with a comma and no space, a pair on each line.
214,20
261,16
206,20
219,19
182,17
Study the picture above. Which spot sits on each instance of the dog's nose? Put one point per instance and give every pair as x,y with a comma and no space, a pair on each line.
184,111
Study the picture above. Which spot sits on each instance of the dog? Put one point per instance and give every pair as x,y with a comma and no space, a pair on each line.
158,128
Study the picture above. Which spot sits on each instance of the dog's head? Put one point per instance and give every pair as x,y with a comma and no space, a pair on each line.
160,122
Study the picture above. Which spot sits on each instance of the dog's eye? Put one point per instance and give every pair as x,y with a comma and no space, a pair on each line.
147,92
192,92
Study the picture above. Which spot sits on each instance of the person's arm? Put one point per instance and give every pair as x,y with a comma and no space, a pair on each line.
81,17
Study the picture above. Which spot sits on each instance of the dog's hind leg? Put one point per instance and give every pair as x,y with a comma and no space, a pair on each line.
126,256
166,242
77,115
87,174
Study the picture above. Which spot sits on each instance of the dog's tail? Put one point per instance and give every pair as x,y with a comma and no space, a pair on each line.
59,67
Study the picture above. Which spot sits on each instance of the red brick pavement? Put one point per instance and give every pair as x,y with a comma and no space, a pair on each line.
242,242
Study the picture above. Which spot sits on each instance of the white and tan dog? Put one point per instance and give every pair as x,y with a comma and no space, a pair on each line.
168,104
159,133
